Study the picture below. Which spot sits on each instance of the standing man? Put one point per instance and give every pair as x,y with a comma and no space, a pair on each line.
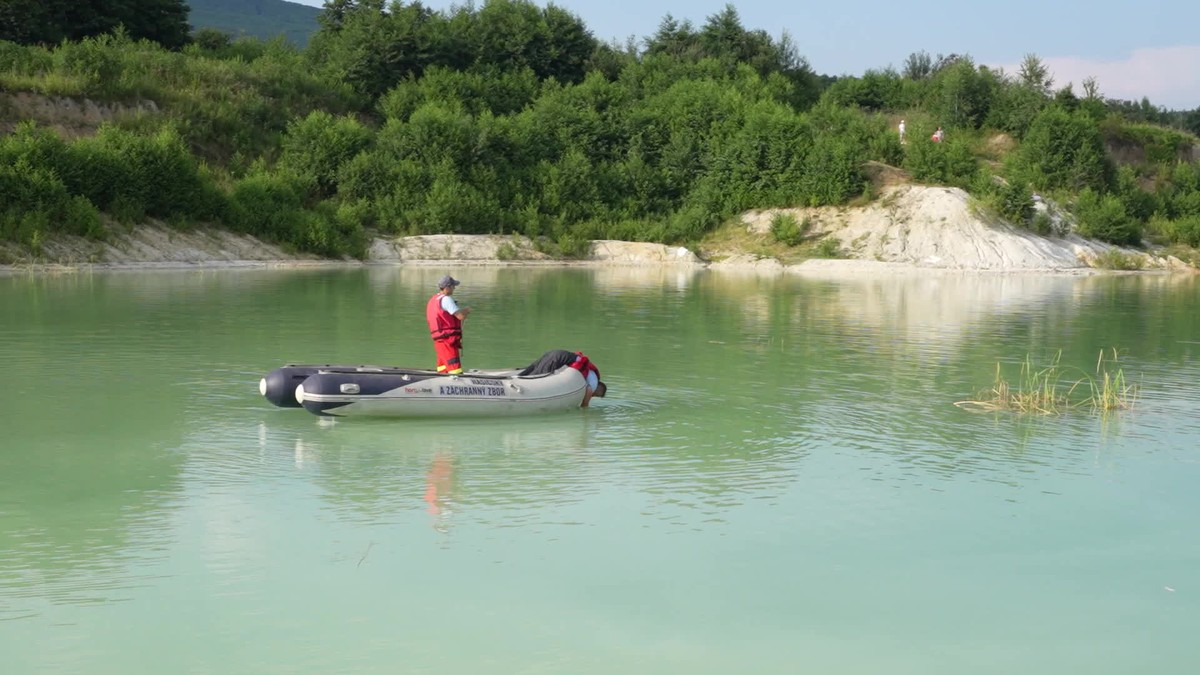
902,141
445,319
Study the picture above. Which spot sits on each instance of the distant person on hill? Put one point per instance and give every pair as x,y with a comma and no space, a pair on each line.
902,131
938,135
557,358
445,319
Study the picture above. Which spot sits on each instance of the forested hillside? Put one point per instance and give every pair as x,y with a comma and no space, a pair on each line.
263,19
510,117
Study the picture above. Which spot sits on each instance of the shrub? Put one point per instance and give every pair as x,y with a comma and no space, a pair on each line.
318,146
96,61
19,60
507,252
454,205
1104,218
35,202
1064,151
211,39
572,245
269,205
787,230
1014,202
1139,204
832,170
1042,224
330,231
949,162
829,247
152,175
1113,259
1184,230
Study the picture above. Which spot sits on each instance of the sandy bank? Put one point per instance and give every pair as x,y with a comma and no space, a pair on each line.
910,228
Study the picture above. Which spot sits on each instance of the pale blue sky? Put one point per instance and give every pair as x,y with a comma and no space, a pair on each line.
1134,49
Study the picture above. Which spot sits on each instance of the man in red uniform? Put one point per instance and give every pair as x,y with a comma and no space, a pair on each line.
445,319
558,358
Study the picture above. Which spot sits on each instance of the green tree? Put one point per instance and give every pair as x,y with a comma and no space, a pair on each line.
1065,150
317,146
51,21
1035,74
1191,121
875,90
729,45
674,39
918,65
961,94
1014,107
1104,217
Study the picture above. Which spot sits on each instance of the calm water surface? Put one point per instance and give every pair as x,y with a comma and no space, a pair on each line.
779,481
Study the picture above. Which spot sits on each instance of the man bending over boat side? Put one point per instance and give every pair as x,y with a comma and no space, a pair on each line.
445,326
557,358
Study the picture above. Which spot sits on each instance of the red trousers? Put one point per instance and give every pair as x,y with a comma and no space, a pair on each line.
448,358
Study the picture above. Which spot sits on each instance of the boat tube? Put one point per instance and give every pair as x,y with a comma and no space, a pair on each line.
344,391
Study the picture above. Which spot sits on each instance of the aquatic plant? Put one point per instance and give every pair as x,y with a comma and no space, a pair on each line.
1054,389
1110,390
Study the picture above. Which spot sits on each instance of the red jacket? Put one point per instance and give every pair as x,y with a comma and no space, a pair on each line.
584,365
443,326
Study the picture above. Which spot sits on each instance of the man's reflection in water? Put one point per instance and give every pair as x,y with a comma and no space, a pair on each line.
438,488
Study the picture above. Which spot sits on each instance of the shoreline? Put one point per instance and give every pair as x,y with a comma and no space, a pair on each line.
921,231
817,267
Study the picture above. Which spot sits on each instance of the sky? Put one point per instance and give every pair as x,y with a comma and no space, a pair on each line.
1133,49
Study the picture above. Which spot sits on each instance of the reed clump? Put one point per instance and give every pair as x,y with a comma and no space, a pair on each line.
1056,389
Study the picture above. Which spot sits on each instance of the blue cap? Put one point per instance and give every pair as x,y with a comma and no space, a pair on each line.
448,281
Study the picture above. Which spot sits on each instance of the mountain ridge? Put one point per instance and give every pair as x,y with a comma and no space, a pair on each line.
263,19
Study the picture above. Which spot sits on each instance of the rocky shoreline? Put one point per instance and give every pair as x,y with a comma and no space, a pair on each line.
909,228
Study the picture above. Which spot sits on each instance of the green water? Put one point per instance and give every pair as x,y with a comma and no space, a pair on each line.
779,481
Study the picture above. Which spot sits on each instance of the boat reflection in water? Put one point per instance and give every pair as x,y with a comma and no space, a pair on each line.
505,469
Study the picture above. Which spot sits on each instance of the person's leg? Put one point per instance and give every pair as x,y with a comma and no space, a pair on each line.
444,353
448,359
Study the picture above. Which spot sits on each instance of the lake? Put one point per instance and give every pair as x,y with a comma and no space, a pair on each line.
779,480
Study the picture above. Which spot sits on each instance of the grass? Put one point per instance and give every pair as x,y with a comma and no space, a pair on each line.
1113,259
1056,389
1187,254
735,237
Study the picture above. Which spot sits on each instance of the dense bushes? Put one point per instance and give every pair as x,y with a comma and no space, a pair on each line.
36,204
596,159
1064,150
128,175
52,21
48,185
375,48
511,118
236,100
950,162
1104,217
317,146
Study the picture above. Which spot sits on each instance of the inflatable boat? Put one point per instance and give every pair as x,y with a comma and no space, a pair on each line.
346,391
